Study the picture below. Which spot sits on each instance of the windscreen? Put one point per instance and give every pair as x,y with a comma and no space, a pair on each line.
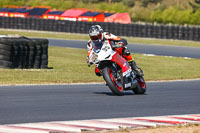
97,45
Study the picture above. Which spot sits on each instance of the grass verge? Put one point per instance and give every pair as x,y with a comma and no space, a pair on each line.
74,36
69,66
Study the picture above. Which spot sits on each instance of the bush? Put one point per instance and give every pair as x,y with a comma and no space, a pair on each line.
141,14
114,7
154,1
144,3
92,1
161,11
156,16
197,1
171,15
194,18
129,3
183,16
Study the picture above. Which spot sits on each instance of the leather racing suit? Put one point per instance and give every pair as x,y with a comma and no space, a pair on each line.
120,46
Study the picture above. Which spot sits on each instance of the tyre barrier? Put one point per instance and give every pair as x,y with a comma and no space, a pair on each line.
147,30
23,53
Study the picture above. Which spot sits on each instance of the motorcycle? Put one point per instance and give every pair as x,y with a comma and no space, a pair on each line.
115,69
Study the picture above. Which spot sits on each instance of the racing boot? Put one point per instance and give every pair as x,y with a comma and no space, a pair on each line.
136,69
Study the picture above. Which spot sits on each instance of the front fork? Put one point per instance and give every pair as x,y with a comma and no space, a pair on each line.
128,78
117,73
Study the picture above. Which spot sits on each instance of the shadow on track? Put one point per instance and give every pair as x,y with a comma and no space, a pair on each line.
111,94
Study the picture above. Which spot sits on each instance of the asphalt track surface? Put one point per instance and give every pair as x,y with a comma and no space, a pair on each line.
178,51
25,104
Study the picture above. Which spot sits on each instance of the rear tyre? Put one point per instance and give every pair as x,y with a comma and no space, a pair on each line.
141,88
113,80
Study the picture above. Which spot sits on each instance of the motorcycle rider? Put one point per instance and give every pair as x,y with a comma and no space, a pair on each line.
96,33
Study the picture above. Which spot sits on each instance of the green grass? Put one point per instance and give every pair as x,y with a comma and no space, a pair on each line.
69,66
74,36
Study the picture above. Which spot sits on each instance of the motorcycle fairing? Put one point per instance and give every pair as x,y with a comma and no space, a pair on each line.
126,70
122,63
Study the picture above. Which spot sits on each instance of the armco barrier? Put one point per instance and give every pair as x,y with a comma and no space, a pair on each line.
23,53
134,30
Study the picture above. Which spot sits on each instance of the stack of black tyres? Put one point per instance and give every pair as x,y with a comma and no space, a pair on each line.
5,52
41,54
23,53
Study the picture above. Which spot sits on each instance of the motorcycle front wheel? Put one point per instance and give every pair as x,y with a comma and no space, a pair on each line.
114,80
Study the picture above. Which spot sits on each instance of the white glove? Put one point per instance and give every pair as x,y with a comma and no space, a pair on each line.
118,45
88,62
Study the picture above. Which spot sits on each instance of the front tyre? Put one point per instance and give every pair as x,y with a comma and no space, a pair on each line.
141,88
114,80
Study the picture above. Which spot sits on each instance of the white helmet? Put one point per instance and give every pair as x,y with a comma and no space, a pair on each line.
96,33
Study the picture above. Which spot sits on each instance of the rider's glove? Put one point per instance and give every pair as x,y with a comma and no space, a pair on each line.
118,45
88,62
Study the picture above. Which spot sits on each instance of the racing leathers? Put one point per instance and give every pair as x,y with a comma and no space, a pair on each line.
119,45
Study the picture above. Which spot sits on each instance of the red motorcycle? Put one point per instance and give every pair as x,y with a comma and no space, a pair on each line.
115,69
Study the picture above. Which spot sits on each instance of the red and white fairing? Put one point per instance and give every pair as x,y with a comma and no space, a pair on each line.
107,53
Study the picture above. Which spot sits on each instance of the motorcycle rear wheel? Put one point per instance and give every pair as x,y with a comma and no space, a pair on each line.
141,88
113,81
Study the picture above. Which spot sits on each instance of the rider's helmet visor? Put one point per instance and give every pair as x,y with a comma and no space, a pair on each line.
94,38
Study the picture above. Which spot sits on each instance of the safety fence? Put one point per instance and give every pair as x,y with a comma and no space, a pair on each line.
133,30
23,53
